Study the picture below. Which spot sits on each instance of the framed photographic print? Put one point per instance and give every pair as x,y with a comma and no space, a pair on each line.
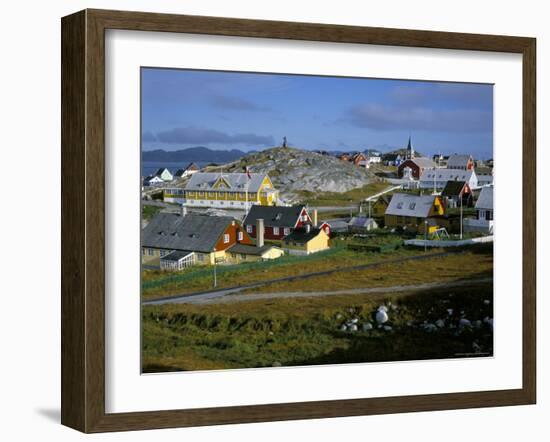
267,220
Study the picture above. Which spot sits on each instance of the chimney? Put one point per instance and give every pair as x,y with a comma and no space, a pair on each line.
183,210
259,232
314,217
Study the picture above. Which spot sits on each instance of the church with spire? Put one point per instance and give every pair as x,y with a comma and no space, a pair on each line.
413,167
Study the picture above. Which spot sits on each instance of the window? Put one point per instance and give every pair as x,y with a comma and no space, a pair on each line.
275,230
412,206
226,238
249,229
200,257
287,231
400,205
240,236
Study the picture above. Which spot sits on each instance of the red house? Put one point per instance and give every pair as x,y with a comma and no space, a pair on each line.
280,221
414,166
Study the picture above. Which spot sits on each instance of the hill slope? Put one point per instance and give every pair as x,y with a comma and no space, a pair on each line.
293,170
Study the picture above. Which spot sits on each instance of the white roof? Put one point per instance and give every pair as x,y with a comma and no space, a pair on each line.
238,182
446,175
485,200
405,204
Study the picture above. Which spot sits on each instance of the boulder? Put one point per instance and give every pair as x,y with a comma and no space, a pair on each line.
381,316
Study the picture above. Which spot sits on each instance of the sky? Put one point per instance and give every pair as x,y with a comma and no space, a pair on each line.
254,111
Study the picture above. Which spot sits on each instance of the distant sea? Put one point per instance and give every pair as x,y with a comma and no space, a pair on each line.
150,167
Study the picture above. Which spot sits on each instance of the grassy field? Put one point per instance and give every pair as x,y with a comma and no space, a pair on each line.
308,331
157,284
476,262
341,199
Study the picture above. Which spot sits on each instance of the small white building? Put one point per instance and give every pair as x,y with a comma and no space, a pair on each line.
437,178
359,224
484,220
153,180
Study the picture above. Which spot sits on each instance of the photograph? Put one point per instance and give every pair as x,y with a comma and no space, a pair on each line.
293,220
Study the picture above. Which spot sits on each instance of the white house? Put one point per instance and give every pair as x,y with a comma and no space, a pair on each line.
484,220
189,170
164,174
153,180
437,178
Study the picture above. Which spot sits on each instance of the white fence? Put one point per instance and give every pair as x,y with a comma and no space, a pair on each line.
448,243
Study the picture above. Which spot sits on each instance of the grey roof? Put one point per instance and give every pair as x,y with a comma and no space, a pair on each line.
361,221
423,162
457,161
405,204
446,175
197,233
274,216
176,255
246,249
485,199
238,182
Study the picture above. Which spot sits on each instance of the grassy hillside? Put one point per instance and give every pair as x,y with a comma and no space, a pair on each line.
308,331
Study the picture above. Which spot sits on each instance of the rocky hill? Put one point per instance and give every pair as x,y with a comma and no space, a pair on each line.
293,170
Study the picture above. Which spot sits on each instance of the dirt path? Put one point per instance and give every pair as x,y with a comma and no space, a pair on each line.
229,298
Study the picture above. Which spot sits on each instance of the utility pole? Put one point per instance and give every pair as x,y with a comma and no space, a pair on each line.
215,274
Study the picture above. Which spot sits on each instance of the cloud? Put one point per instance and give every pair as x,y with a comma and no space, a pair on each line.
236,103
195,135
385,118
447,95
148,136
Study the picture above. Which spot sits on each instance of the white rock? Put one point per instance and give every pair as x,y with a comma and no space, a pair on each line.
367,326
381,316
387,328
382,308
352,328
354,321
440,323
464,323
486,302
450,311
343,327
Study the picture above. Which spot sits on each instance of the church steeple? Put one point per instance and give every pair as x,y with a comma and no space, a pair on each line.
410,149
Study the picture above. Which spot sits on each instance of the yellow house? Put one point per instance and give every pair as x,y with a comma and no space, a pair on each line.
414,212
306,240
225,191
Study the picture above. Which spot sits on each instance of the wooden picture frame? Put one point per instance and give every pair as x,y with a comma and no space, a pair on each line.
83,216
